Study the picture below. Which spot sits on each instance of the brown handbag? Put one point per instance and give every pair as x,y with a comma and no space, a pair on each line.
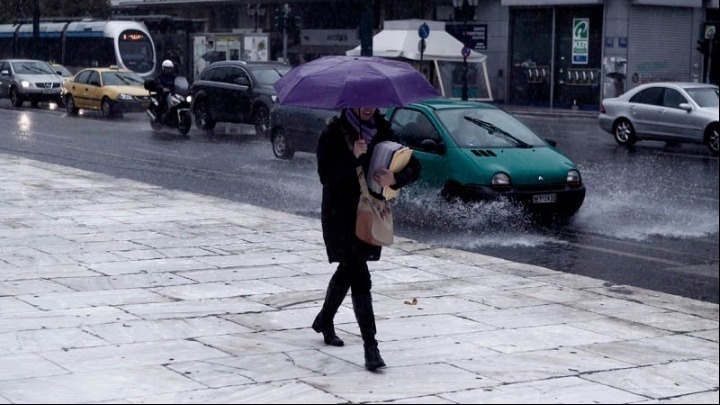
374,223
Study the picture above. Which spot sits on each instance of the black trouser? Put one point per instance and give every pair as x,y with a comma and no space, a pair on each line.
354,274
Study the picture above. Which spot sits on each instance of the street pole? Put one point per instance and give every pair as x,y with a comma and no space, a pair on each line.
286,13
366,29
36,29
465,8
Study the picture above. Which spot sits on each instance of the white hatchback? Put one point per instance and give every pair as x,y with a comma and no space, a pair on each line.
668,111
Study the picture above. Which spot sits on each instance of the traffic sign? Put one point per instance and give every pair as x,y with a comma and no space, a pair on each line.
424,31
465,52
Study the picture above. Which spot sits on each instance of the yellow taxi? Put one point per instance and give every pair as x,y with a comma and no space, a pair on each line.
110,90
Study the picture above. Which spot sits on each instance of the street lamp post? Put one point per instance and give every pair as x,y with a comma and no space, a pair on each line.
256,12
467,9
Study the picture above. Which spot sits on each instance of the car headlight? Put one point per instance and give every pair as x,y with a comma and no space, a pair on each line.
24,83
188,99
573,178
123,96
500,181
274,98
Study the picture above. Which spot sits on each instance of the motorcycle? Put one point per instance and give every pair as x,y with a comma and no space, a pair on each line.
177,106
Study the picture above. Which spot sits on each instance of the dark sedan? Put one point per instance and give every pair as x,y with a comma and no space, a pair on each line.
296,129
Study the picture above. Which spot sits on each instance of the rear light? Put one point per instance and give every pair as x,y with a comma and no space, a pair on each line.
602,109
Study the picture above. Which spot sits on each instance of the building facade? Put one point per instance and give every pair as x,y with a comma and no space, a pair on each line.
553,53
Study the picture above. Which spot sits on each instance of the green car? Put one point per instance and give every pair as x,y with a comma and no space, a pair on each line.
474,151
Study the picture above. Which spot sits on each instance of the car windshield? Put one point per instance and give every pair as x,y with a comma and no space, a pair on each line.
268,76
122,79
32,68
704,97
487,128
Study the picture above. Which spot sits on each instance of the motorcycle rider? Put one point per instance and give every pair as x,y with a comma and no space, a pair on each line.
165,83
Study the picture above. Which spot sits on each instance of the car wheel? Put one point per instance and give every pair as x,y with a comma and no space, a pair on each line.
261,119
203,119
281,145
70,106
712,139
452,192
106,108
624,133
15,97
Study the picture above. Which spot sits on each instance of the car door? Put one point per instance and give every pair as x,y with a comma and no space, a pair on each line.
94,90
78,88
414,129
673,122
643,109
239,88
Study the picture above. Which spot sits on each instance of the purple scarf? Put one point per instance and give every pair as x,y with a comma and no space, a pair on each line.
366,129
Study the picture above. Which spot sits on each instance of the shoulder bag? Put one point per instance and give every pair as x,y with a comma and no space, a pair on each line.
374,223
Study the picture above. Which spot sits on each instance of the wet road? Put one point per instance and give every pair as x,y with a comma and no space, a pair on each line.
650,218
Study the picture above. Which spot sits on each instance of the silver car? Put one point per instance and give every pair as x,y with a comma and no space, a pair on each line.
31,80
672,112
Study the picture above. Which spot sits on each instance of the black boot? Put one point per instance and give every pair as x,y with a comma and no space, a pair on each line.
362,304
324,320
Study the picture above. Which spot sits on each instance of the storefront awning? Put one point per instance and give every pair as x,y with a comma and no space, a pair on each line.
320,49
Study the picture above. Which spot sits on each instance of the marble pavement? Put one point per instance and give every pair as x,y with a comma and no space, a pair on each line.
114,291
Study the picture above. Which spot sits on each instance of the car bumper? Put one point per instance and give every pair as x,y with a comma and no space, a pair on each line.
563,199
37,94
605,122
128,106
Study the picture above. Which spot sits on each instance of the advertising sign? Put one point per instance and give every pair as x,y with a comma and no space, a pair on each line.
580,41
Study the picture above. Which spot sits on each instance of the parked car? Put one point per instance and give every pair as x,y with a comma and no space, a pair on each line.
236,92
28,79
110,90
296,129
673,112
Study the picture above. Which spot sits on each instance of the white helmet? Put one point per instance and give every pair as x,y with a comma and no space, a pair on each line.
168,65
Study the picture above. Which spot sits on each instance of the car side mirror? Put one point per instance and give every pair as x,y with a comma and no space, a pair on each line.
5,73
685,106
430,145
551,142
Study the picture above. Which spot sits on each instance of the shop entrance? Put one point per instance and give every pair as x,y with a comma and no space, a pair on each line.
556,57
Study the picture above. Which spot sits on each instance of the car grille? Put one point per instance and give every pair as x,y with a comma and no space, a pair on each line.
47,85
483,153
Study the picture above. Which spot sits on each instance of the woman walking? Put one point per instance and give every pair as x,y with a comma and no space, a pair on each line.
346,143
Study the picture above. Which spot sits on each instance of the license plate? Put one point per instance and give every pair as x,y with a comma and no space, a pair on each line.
544,198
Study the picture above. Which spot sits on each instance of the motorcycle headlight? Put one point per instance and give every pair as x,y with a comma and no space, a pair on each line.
25,83
123,96
188,99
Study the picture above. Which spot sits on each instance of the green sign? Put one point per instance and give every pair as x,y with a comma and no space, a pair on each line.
580,41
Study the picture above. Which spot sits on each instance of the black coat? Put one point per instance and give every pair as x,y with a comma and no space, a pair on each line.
341,188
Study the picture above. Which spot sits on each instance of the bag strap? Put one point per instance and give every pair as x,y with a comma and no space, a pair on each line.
363,183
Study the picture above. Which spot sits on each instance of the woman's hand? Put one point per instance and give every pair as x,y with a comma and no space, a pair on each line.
384,177
359,148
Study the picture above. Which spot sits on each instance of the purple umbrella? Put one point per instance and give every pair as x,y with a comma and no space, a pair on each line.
335,82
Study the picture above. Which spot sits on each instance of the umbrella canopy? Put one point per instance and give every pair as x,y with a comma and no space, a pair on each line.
336,82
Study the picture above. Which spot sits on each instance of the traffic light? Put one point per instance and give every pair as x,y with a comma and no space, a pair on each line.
279,19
